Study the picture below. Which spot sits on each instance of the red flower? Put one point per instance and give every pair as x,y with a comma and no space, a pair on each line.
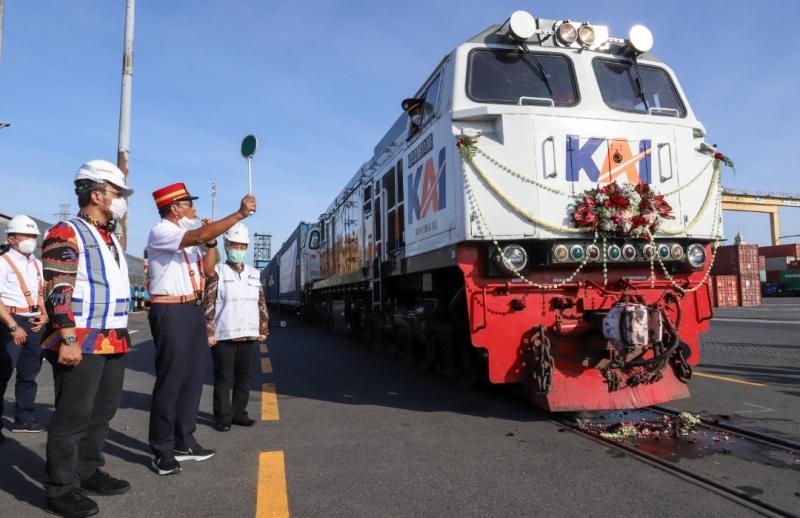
619,201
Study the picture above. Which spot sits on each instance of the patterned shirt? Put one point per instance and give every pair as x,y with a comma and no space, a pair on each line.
210,305
60,254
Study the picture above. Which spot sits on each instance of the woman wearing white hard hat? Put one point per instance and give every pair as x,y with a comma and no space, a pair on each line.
237,319
21,286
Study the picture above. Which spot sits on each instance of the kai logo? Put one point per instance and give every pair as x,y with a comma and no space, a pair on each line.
618,163
427,189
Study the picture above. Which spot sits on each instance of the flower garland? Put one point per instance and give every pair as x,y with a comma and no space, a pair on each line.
626,210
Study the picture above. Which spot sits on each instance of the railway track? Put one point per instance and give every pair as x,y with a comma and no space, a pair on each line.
741,465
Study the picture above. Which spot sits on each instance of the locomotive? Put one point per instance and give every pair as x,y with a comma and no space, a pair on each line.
545,211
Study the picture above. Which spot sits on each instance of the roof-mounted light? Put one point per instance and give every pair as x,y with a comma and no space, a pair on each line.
567,33
586,35
521,25
640,38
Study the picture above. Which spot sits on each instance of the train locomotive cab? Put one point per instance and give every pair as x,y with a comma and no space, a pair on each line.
545,211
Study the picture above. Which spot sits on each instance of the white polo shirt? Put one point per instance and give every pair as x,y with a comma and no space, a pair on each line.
169,273
10,289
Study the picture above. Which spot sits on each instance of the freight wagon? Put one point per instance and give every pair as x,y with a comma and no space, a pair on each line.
291,270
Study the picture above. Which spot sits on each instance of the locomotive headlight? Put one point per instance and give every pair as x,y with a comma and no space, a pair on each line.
560,253
696,255
614,252
576,253
629,252
663,251
640,38
593,252
586,34
513,258
567,33
649,252
676,252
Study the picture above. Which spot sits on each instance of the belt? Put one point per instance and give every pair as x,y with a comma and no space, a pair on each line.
175,299
14,310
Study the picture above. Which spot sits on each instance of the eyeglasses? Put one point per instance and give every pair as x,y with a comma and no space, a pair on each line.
188,203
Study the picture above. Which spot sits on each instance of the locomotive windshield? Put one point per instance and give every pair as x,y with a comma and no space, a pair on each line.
617,80
505,76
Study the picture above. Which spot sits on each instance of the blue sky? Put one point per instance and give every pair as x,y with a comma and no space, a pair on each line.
321,81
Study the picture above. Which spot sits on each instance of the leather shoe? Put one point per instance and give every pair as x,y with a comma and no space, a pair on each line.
103,484
222,427
244,421
73,504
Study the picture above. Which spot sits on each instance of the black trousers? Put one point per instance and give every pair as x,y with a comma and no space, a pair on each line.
233,365
27,360
179,334
87,397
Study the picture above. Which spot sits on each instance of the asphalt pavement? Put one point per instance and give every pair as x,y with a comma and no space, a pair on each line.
356,433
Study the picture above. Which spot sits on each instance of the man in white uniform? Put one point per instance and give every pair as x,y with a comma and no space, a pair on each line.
21,286
177,276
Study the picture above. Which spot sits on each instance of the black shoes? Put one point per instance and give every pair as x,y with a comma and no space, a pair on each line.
73,504
197,454
31,427
221,427
103,484
166,464
244,421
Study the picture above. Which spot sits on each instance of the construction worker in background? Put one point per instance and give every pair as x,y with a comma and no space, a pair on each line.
177,276
236,320
87,302
21,288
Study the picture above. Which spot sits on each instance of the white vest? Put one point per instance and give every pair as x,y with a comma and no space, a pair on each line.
102,289
236,308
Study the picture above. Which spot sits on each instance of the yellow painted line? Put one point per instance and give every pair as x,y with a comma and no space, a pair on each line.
269,402
263,348
266,365
725,378
271,498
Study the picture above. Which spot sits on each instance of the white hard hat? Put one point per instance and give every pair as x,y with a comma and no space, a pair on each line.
238,234
103,171
22,225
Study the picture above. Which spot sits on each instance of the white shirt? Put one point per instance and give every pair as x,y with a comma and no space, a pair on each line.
10,290
166,264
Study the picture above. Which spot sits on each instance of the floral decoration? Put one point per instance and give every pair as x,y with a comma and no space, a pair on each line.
623,210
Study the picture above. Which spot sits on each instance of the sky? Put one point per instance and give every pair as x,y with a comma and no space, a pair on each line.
320,82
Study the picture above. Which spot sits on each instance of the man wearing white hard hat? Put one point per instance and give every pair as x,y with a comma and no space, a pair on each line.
236,320
21,286
87,302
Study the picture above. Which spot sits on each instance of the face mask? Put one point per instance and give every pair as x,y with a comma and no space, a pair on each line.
119,206
27,247
188,223
416,120
236,256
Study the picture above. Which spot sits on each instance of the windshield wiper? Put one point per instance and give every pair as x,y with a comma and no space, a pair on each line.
639,85
537,67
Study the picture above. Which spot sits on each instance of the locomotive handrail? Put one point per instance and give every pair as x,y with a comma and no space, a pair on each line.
536,101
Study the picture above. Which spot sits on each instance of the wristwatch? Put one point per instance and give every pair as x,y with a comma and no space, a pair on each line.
211,244
13,327
69,340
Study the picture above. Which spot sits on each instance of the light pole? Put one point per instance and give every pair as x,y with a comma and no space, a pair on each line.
124,147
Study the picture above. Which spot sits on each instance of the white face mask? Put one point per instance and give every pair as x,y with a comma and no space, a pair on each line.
119,207
27,247
416,120
189,223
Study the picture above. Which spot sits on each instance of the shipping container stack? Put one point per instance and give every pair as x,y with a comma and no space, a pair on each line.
724,291
781,262
737,266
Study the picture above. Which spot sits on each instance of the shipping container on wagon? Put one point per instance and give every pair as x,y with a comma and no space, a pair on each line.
725,291
790,281
294,265
790,250
749,290
736,260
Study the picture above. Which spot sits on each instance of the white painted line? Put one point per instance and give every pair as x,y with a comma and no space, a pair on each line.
761,409
757,320
133,332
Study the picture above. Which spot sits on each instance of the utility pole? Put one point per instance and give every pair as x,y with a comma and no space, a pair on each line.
2,11
124,147
213,198
63,212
